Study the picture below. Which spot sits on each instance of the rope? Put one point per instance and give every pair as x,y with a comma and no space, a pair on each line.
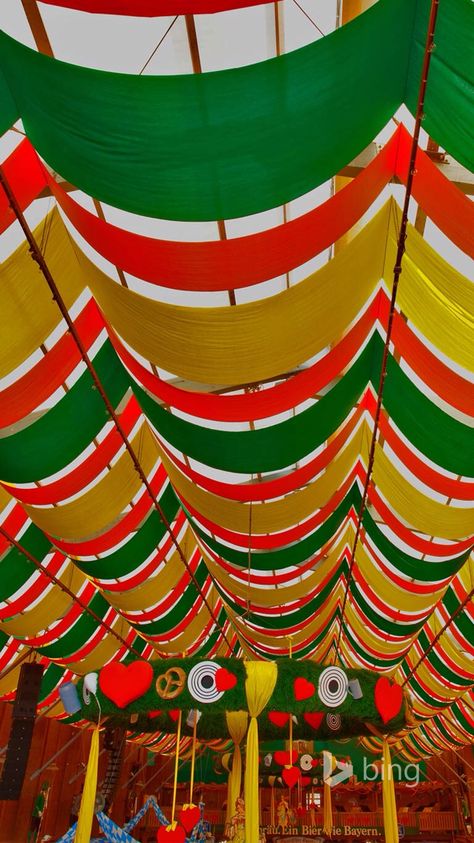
429,46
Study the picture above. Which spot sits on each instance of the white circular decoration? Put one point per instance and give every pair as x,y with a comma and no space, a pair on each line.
306,762
333,686
333,722
202,682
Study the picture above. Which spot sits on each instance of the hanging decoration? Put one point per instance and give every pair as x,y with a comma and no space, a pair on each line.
216,690
388,792
87,807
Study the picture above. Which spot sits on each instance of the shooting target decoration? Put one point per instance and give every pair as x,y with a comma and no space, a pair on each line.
333,686
306,762
333,722
202,682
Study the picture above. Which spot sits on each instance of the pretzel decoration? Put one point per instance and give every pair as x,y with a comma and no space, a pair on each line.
170,684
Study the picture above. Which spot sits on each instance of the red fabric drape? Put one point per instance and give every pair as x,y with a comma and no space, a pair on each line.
86,471
243,261
444,203
126,525
257,405
270,541
23,396
154,8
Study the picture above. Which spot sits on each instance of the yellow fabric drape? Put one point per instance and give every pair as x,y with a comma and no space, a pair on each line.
447,321
237,722
250,341
54,604
155,588
391,593
390,821
226,760
93,511
28,313
86,811
324,618
271,516
327,806
280,595
253,340
259,685
419,510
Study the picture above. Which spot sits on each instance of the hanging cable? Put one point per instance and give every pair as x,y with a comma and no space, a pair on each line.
37,256
68,591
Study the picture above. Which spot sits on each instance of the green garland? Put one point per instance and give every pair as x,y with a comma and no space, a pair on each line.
152,713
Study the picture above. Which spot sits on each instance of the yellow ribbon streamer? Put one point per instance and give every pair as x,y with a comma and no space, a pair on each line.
237,722
327,807
259,685
86,811
193,758
388,791
176,766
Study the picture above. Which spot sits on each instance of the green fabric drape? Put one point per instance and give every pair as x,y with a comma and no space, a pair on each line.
181,607
235,142
79,633
15,567
449,101
294,553
215,145
270,448
64,431
140,545
436,434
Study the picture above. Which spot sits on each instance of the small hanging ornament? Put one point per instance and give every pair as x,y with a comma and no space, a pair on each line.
172,833
189,816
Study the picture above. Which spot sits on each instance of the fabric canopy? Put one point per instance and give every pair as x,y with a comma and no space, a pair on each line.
225,144
269,514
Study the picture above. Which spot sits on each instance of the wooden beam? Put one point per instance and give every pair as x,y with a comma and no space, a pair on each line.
101,215
420,220
37,27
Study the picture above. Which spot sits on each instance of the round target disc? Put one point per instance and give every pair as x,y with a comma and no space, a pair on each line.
333,686
333,722
202,682
306,762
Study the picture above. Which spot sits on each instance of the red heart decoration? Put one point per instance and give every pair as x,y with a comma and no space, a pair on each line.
388,698
167,834
283,758
224,679
152,714
174,714
314,718
124,683
303,689
291,775
305,781
315,762
189,816
278,718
